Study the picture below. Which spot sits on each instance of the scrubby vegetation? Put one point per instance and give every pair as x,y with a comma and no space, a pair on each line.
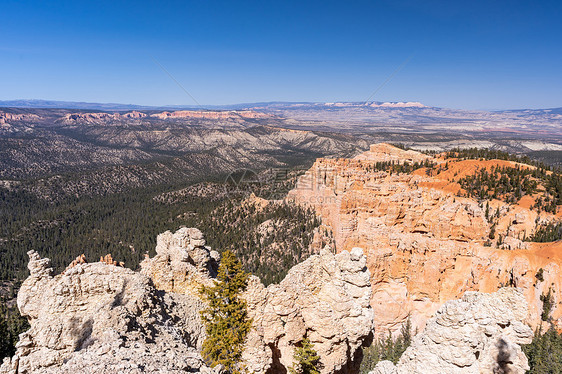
394,167
491,154
552,198
549,232
511,183
540,275
387,348
547,304
504,183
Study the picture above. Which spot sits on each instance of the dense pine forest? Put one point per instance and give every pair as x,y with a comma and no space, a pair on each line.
123,224
11,325
268,239
406,167
126,225
545,352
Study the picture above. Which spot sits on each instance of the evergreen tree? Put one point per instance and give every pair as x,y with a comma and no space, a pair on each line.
547,304
306,359
11,325
545,352
226,317
387,348
5,336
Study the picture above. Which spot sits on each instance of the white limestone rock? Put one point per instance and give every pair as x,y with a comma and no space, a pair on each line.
480,333
101,318
325,298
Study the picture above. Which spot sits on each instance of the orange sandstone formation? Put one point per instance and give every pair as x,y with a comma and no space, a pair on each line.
425,245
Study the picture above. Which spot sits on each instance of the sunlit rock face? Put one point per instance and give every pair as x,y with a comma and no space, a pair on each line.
325,298
425,244
182,262
480,333
104,318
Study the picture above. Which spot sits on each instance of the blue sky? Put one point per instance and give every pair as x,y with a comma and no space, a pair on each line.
462,54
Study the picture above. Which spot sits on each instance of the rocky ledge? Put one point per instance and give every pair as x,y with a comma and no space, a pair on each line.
103,318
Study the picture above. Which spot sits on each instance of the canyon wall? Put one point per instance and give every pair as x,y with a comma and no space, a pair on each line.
424,243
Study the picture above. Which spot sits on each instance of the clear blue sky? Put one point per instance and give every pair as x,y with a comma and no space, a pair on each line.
466,54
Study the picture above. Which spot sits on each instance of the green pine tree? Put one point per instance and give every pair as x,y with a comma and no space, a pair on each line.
226,317
387,348
547,304
306,359
545,352
5,336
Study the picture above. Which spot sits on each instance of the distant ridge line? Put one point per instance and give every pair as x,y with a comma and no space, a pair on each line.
83,105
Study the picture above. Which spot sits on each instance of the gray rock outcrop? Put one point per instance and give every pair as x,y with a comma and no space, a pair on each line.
325,298
182,262
103,318
480,333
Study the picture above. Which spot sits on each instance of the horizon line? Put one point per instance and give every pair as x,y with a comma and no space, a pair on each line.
58,104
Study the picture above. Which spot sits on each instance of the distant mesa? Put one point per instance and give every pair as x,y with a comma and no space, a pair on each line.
5,117
135,114
229,114
180,114
409,104
377,104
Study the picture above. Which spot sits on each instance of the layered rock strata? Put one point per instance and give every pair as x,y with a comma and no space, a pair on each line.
424,243
230,114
